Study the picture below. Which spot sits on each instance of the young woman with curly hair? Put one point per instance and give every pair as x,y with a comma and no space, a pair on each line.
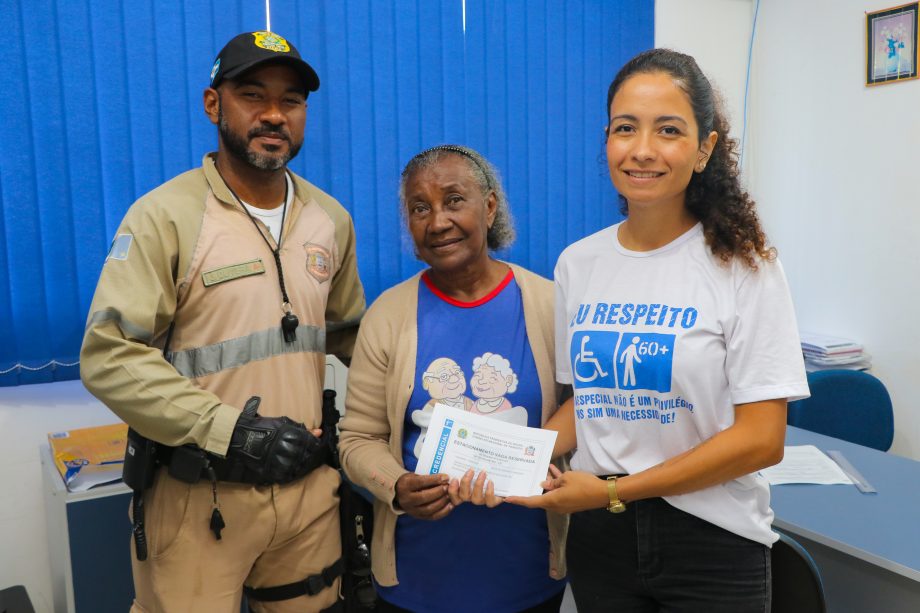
677,331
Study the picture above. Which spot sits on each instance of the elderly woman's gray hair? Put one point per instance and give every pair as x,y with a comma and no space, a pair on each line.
501,234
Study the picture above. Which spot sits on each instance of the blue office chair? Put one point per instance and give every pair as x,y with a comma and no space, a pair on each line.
847,404
797,586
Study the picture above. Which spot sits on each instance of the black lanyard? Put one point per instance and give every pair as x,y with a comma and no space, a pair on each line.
289,321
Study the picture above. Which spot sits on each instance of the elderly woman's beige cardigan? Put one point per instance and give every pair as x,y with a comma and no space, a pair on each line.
380,382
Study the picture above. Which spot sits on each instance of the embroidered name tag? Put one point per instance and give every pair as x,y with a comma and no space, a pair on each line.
235,271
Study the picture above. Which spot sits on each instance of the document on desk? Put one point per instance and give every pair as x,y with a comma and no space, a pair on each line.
514,457
806,464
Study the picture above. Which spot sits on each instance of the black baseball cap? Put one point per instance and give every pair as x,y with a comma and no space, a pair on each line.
249,49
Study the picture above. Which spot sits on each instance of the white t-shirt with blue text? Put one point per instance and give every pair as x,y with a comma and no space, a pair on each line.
660,346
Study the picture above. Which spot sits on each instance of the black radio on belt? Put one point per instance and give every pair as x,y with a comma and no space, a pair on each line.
137,473
140,462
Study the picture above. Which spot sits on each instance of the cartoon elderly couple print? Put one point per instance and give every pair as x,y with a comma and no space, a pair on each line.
492,378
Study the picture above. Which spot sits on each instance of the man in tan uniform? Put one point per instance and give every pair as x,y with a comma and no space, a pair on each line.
229,282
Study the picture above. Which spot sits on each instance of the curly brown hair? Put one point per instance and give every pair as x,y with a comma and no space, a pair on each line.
715,196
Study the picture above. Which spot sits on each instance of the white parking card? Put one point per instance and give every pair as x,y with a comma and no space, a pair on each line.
514,457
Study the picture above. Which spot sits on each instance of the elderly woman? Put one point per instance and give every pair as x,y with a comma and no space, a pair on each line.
431,338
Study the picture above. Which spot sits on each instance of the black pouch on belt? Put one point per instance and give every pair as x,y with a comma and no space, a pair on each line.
357,516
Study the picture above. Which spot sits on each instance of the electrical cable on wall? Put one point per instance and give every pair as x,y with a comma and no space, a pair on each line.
747,84
19,366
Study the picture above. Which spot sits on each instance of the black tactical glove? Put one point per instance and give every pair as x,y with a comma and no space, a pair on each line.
276,449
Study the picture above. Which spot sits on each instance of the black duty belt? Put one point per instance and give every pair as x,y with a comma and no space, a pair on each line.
191,464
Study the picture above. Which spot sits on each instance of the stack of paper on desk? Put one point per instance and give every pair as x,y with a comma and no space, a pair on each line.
806,464
824,352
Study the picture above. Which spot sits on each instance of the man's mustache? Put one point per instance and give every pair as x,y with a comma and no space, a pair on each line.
272,132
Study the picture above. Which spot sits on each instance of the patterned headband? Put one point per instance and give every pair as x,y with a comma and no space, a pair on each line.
458,150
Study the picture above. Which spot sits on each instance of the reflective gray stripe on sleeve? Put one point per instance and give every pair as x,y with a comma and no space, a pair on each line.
202,361
130,330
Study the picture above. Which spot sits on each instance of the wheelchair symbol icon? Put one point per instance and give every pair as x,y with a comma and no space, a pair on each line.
586,356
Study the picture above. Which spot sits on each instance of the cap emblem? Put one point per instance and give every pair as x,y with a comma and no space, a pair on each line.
214,69
271,42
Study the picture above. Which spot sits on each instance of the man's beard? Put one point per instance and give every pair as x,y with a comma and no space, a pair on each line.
238,147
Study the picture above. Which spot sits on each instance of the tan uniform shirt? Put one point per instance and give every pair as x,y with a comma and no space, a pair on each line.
188,255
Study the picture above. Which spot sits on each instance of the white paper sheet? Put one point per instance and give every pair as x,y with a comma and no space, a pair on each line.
806,464
514,457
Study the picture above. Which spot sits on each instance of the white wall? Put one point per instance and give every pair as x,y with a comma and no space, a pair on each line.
833,167
27,414
837,180
717,34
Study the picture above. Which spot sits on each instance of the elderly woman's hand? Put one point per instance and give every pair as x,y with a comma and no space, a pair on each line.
423,496
478,492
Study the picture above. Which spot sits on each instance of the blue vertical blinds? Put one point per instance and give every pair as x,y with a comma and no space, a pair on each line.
102,102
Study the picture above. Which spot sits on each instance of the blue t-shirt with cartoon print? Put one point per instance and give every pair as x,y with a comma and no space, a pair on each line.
476,357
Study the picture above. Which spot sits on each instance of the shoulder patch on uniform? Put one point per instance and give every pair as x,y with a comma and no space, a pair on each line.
234,271
120,247
319,262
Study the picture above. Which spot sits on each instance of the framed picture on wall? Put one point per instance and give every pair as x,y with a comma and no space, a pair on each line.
891,44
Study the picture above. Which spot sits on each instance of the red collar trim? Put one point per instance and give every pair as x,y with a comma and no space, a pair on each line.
468,305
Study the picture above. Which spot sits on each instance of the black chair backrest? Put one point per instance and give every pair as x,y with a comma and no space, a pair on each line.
797,586
15,600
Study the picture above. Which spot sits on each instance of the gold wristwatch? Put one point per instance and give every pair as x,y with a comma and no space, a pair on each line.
616,505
